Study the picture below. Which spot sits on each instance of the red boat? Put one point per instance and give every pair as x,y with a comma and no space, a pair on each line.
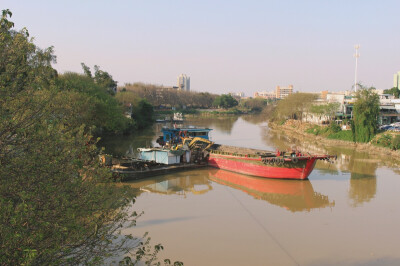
293,165
284,165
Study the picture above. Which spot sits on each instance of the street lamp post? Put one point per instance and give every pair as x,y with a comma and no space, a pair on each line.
356,55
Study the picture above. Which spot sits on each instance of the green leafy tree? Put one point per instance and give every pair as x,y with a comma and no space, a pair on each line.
365,115
255,104
101,78
328,109
90,104
57,205
294,106
225,101
393,91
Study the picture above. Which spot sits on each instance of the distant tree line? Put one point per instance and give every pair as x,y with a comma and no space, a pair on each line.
160,96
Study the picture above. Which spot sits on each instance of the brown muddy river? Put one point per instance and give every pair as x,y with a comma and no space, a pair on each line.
347,213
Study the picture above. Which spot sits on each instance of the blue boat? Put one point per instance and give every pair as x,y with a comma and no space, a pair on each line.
176,134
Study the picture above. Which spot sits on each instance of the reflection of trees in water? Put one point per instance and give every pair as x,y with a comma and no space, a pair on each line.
362,188
127,145
222,123
255,119
180,184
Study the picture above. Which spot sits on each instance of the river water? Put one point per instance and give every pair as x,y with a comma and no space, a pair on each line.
347,213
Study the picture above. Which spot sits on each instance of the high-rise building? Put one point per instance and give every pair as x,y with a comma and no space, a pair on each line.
184,82
396,80
283,92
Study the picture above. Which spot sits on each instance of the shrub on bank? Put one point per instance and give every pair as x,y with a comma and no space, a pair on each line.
342,135
387,140
333,131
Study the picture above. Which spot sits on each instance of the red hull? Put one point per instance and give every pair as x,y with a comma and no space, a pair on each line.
255,167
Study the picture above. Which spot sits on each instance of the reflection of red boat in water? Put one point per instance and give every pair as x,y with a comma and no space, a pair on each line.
289,194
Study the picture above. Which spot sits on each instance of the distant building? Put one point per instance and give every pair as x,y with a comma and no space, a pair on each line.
324,94
396,80
237,94
183,83
265,95
283,92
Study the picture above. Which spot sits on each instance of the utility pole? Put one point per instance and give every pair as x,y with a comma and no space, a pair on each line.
356,55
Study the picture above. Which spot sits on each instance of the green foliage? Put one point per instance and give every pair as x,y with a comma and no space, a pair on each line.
342,135
90,104
160,96
333,131
396,142
57,204
293,106
254,104
142,112
334,127
225,101
101,78
383,140
393,91
329,109
365,115
387,140
317,130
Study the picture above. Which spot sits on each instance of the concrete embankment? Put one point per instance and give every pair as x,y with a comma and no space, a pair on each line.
296,129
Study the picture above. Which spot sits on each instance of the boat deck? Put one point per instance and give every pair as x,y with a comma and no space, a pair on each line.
240,150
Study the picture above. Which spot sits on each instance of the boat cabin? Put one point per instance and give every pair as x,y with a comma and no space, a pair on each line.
175,135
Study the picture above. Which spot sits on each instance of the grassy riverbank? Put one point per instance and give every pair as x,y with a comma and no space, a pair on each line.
385,143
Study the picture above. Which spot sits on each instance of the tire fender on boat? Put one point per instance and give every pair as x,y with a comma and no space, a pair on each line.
295,160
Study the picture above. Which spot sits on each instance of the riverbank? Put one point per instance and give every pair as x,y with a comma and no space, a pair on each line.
297,129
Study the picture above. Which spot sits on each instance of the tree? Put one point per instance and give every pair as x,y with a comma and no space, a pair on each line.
255,104
365,115
393,91
90,104
225,101
293,106
328,109
57,205
102,78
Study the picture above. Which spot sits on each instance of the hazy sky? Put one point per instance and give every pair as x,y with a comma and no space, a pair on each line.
222,45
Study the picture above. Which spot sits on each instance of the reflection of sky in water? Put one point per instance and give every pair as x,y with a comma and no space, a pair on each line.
242,134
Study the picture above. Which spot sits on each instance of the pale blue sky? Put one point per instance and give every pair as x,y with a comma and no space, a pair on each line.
222,45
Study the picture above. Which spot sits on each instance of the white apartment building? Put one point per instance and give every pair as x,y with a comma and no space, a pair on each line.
184,82
396,80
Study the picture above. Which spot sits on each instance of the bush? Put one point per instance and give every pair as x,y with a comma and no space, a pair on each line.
384,140
334,128
317,130
396,142
342,135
